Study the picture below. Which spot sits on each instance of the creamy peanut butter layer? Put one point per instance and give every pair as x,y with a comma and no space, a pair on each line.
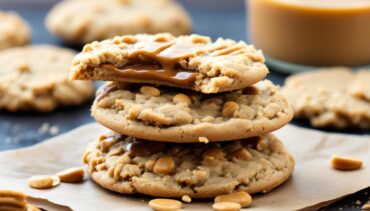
179,115
191,62
128,165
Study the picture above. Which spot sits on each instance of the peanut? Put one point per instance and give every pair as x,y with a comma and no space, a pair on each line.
150,91
230,108
226,206
181,98
242,198
242,154
164,165
43,181
214,152
165,204
186,198
345,163
72,175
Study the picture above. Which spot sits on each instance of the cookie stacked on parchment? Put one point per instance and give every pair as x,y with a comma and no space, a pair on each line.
189,116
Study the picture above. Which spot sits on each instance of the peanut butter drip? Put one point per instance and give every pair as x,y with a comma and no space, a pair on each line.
167,54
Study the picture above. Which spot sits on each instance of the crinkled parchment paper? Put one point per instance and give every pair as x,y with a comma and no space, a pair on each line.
312,183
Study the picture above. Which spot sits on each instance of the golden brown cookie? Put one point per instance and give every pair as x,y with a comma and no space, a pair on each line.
36,78
191,62
90,20
128,165
175,115
334,97
14,31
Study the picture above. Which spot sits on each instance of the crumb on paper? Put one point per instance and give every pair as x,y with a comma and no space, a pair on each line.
54,130
203,140
44,128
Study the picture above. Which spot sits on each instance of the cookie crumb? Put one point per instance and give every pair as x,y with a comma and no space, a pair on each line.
358,202
203,140
186,198
54,130
44,128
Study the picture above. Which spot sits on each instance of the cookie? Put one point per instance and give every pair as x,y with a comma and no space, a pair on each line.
36,78
90,20
177,115
14,31
360,86
128,165
191,62
325,97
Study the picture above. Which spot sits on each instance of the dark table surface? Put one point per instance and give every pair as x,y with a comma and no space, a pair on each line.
215,19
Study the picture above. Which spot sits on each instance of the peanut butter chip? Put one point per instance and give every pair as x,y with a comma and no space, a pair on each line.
164,165
150,91
226,206
230,108
181,98
43,181
72,175
165,204
345,163
242,198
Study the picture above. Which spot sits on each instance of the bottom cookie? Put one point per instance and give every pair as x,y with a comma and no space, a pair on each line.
128,165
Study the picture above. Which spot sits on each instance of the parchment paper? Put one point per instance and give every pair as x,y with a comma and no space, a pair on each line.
312,183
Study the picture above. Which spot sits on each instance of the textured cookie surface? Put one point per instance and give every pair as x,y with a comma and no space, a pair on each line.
171,115
360,85
36,78
129,166
14,31
330,97
192,62
90,20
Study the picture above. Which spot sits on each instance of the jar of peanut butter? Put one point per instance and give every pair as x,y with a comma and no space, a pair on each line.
312,32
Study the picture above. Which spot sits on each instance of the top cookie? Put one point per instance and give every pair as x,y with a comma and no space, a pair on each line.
36,78
333,97
14,31
90,20
192,62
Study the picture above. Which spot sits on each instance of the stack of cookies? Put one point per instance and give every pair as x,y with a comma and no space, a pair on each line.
188,117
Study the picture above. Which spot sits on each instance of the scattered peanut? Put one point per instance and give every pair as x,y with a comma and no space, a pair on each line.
230,108
43,181
72,175
186,198
226,206
164,165
181,98
165,204
150,91
242,198
345,163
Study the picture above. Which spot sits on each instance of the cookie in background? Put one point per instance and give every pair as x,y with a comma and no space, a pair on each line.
80,22
35,78
331,97
14,31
